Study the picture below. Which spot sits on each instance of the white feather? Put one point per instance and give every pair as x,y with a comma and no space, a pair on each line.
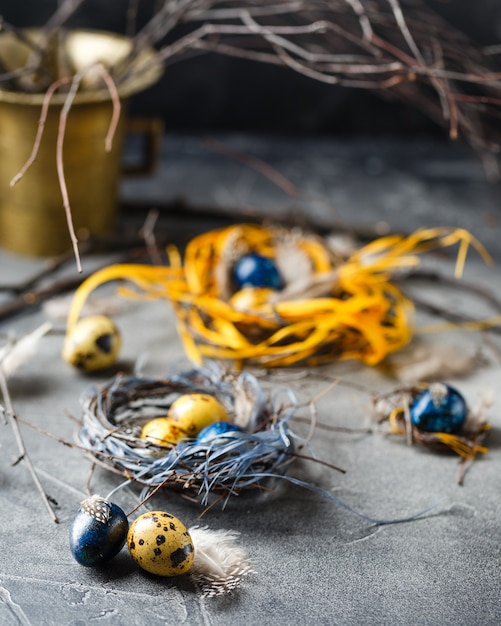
18,352
425,362
477,415
292,262
220,564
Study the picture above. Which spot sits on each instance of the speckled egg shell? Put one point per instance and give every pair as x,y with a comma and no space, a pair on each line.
160,544
163,432
93,343
96,539
194,411
440,408
219,432
256,270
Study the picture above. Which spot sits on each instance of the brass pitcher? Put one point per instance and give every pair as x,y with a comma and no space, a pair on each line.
32,217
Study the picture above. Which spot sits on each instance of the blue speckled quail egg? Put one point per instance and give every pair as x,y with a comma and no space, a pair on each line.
256,270
440,408
219,432
98,531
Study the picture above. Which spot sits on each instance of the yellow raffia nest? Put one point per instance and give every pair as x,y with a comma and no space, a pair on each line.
330,308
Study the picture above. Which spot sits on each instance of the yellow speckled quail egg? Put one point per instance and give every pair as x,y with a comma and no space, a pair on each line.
161,544
93,343
194,411
163,432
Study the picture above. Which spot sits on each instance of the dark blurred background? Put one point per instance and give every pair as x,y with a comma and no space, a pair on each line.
218,93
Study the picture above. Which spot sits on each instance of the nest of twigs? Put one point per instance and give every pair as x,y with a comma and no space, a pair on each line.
114,414
394,410
467,443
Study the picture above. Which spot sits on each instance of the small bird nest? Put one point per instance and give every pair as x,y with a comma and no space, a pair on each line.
394,408
114,414
329,307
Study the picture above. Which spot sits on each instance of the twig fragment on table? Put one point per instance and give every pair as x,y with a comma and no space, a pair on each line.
18,353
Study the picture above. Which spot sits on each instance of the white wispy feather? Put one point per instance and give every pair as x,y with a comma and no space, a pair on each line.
220,564
18,352
477,415
425,362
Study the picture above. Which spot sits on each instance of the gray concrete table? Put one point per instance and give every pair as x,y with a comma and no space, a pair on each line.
315,562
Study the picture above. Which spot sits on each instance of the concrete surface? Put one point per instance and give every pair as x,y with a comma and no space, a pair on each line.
315,562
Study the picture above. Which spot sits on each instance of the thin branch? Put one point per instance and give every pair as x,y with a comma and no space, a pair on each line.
75,84
9,412
40,129
148,234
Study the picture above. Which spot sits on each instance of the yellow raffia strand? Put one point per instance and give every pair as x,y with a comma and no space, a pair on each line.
459,446
395,419
475,326
359,315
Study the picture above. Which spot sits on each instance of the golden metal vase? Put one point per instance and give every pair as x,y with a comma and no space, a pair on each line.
32,216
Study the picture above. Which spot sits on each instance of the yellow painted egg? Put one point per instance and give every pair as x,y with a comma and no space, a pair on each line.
161,544
163,432
194,411
249,298
93,343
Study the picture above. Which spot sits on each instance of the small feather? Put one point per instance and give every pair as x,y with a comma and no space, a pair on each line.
477,415
250,402
97,507
220,564
293,263
423,362
18,352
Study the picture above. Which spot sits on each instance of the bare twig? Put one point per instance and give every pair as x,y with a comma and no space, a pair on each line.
9,412
368,44
383,45
60,140
259,165
41,127
148,234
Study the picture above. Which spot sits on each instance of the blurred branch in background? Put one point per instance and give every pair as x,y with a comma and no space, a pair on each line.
398,48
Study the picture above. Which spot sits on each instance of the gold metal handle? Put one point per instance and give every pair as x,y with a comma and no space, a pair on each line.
151,130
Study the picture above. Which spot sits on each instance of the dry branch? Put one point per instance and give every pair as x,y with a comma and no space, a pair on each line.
398,48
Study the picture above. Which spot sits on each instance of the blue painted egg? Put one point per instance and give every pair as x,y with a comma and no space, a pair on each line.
98,531
219,431
256,270
440,408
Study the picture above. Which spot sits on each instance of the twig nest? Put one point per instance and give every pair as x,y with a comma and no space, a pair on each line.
92,344
98,531
161,544
127,426
437,416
